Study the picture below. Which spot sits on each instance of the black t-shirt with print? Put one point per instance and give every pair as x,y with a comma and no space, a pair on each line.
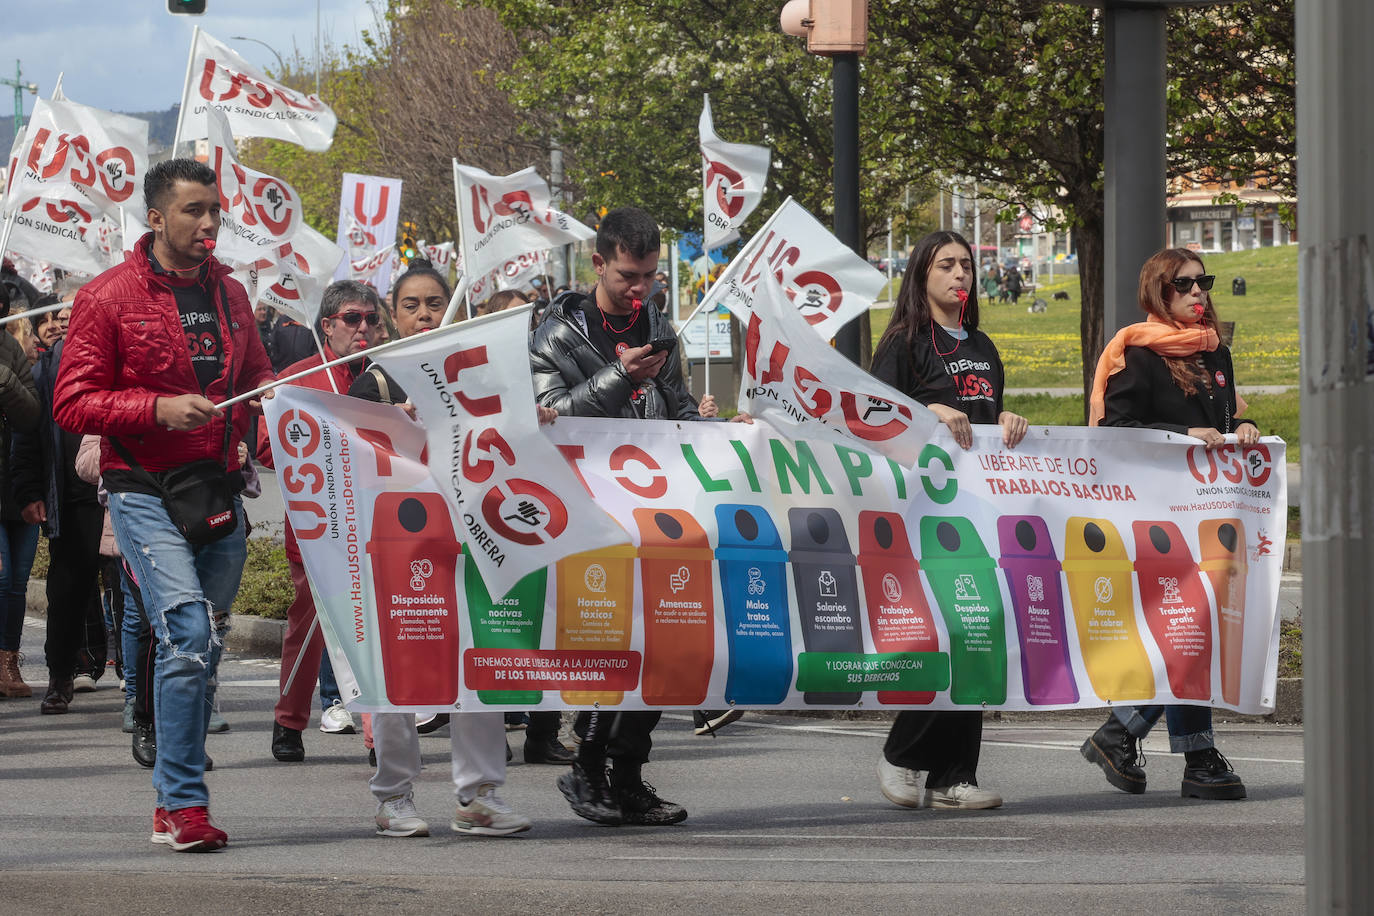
963,374
199,322
614,334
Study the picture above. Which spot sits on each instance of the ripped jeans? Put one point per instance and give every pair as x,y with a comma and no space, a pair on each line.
180,585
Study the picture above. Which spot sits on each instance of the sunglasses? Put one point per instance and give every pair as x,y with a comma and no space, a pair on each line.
353,319
1184,284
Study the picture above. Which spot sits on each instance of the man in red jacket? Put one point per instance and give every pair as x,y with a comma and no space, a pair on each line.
350,321
154,344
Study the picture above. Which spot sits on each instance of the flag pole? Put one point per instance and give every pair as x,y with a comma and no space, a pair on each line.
428,336
185,90
706,255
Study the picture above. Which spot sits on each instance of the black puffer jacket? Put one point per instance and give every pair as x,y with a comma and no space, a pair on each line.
19,413
572,377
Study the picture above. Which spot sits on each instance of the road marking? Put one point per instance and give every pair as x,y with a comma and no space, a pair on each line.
961,860
1056,746
274,682
852,836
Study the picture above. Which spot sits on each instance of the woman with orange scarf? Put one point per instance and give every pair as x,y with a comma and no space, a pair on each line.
1169,372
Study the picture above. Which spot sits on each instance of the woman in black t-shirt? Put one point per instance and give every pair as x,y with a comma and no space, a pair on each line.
933,351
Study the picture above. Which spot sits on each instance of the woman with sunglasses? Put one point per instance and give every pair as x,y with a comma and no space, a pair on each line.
1169,372
933,351
350,321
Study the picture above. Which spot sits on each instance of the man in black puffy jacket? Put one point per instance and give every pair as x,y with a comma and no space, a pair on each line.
591,357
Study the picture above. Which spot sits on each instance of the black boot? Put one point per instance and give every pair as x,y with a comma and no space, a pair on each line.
144,744
1118,752
58,696
1207,774
639,802
286,744
547,750
587,790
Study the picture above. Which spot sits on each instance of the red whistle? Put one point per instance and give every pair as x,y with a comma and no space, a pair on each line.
209,244
962,294
1198,310
636,304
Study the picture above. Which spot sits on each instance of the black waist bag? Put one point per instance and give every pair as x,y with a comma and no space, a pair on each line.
199,499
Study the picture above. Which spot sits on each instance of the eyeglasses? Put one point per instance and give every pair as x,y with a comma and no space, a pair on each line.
353,319
1185,284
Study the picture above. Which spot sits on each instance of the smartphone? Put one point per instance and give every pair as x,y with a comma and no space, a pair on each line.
662,344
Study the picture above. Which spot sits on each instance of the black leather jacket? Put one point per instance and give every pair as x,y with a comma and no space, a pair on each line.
572,377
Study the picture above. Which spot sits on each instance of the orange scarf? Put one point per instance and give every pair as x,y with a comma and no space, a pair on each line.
1161,337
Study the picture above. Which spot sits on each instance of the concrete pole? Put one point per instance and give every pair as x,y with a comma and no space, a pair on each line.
1134,127
1336,187
977,230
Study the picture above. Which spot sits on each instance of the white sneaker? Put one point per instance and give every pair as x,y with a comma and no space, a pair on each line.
397,816
488,815
83,683
964,795
902,786
336,720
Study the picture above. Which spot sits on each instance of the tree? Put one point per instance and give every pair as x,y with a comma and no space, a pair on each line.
418,91
1006,92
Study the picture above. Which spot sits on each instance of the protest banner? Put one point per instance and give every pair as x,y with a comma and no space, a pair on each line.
511,493
1084,568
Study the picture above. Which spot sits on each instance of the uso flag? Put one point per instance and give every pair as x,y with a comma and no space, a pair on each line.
91,157
733,178
217,79
792,378
826,281
520,506
257,212
503,216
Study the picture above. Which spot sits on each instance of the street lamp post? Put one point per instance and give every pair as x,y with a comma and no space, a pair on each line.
280,63
838,29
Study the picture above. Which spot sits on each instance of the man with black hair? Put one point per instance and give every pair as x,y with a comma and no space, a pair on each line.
591,357
155,342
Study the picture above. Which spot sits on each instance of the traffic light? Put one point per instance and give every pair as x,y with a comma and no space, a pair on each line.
829,26
410,249
186,7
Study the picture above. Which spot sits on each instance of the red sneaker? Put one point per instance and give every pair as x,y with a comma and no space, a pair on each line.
162,833
190,830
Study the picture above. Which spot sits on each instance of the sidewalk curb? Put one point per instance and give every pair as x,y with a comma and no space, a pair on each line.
248,634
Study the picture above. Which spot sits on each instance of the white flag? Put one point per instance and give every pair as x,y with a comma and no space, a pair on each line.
292,278
442,256
521,506
369,213
826,281
366,270
734,176
219,80
80,154
258,213
59,230
501,216
791,377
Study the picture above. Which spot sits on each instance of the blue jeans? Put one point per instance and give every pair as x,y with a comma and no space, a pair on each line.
18,542
182,588
329,685
1190,727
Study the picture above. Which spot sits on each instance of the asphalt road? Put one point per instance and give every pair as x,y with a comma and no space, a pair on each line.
786,817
